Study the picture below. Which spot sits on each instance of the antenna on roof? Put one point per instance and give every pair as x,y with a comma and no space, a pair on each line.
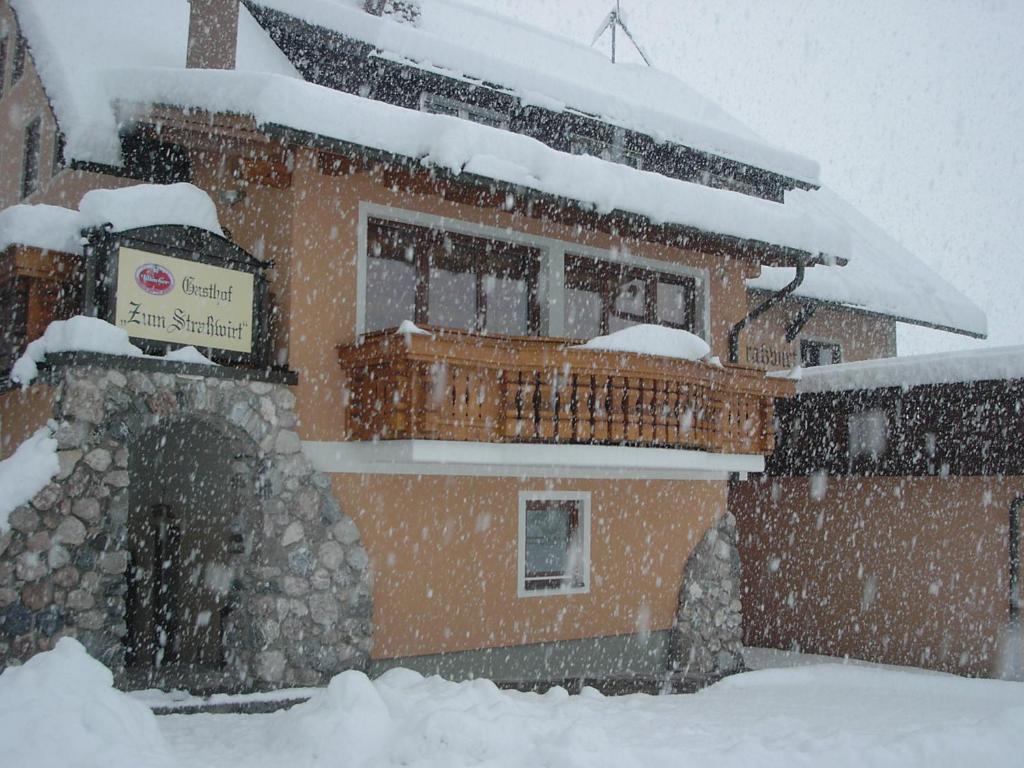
614,20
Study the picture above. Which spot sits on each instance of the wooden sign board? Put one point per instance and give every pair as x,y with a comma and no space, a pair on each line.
175,286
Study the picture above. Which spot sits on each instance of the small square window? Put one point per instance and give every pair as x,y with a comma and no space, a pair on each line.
869,438
440,105
814,353
554,542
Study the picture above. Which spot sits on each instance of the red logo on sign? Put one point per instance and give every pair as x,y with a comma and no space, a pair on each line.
154,279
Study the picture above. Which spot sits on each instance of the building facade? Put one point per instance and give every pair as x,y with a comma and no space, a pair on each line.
423,465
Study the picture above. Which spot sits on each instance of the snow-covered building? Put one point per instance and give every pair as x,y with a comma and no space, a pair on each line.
470,288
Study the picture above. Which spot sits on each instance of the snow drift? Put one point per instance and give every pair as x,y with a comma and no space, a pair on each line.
61,710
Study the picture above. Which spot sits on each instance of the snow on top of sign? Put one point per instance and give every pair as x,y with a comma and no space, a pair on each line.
73,41
147,204
79,334
59,229
461,146
649,339
882,276
548,70
26,472
988,364
50,227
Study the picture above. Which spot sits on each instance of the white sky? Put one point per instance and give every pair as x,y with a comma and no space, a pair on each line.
914,108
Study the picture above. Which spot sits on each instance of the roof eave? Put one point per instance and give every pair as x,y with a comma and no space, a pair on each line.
877,313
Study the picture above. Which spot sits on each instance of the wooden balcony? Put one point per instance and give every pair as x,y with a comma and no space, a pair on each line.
459,386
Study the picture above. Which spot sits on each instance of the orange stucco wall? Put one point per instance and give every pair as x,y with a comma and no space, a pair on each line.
860,335
898,570
22,412
444,555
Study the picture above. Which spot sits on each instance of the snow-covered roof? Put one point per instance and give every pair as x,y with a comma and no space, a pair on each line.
73,41
548,70
988,364
54,228
882,276
102,60
461,146
89,72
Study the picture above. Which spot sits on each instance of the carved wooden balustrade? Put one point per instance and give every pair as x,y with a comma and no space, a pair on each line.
452,385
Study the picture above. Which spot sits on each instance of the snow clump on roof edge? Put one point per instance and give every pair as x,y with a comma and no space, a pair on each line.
53,228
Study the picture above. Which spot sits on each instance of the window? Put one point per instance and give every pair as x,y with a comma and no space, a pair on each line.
813,353
18,65
3,65
602,297
869,438
30,159
440,105
58,151
614,151
449,280
13,322
554,542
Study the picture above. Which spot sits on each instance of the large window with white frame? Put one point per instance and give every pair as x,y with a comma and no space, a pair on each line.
554,542
452,274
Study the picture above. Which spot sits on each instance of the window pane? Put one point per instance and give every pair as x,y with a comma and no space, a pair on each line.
631,297
507,305
30,159
672,304
616,323
582,313
548,534
390,293
452,302
869,434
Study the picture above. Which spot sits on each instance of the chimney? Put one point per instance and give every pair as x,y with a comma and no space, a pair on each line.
212,34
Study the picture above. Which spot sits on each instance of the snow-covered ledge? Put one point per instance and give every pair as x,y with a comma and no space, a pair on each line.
449,457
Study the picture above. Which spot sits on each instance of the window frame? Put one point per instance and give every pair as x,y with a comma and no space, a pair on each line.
4,48
31,182
583,527
859,424
809,342
19,57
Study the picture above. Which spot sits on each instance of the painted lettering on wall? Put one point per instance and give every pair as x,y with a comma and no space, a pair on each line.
183,302
771,357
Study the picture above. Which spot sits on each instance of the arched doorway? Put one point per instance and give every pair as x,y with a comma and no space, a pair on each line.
192,489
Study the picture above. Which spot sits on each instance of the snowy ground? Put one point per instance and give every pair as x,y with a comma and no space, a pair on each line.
60,710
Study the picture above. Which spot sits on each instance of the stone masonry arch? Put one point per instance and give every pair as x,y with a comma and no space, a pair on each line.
300,578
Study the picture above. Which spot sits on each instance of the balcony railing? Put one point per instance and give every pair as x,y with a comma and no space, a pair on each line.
452,385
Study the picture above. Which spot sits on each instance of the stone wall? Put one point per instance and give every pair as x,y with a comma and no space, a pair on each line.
707,637
301,588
